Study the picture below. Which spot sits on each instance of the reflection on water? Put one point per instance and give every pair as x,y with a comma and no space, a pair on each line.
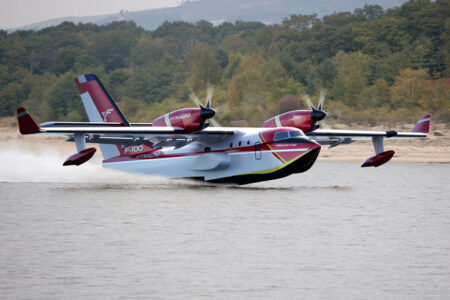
336,231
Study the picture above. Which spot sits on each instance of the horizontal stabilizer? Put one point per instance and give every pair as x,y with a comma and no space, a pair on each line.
27,125
423,125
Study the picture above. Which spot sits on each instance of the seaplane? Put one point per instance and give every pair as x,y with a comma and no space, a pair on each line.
181,144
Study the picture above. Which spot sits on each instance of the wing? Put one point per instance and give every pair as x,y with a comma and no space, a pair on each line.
114,138
113,132
334,138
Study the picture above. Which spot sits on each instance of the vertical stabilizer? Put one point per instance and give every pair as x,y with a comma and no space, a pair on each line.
100,107
27,125
423,125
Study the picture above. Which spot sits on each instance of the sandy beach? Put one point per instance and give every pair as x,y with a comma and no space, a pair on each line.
434,149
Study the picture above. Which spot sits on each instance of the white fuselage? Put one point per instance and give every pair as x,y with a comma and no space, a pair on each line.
243,153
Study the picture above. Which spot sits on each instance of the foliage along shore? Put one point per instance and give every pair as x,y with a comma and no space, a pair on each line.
376,65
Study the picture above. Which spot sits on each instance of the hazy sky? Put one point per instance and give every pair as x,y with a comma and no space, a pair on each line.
15,13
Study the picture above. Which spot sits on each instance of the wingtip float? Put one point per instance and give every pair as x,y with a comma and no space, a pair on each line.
180,144
381,157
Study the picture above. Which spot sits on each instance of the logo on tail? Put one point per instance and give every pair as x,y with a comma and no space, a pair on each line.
106,113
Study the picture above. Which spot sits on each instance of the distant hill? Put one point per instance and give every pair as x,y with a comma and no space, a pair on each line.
218,11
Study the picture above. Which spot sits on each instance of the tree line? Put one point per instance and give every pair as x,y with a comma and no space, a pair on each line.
375,65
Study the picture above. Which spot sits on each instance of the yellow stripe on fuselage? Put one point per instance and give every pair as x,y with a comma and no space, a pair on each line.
268,145
268,171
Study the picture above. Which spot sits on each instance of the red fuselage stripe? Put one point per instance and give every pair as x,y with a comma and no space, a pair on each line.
157,154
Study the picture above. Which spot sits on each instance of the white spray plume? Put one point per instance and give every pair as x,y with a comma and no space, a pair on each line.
45,165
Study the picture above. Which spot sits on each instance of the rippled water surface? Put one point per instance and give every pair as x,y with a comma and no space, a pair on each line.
336,232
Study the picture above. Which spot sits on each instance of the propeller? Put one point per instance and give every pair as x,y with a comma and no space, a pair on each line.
317,114
206,112
323,92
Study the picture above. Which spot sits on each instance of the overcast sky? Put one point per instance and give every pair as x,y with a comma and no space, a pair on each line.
15,13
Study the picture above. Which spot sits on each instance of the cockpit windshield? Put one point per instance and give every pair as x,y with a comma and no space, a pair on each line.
281,135
296,133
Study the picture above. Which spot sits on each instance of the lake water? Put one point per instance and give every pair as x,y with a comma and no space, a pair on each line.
334,232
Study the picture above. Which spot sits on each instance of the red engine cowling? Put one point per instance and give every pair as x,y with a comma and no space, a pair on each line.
189,119
305,120
300,119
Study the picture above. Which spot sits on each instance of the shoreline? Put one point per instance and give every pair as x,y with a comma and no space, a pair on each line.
433,149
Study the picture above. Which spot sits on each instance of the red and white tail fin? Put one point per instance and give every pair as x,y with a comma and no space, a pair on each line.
100,107
423,125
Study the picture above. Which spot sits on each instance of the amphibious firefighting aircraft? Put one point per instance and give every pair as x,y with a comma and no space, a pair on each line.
181,145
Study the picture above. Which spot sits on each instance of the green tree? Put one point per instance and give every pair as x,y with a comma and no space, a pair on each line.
369,12
64,100
205,67
10,98
377,95
65,59
327,72
300,22
147,50
409,87
156,82
353,74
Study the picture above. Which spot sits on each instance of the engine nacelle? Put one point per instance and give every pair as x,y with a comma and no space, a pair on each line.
300,119
189,119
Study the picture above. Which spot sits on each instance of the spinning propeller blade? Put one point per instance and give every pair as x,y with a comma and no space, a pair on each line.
317,114
308,101
195,99
209,93
323,92
206,112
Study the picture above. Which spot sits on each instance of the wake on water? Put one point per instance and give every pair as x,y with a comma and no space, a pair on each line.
46,166
19,165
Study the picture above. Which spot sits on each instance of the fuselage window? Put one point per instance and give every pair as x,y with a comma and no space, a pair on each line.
248,142
231,145
240,143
